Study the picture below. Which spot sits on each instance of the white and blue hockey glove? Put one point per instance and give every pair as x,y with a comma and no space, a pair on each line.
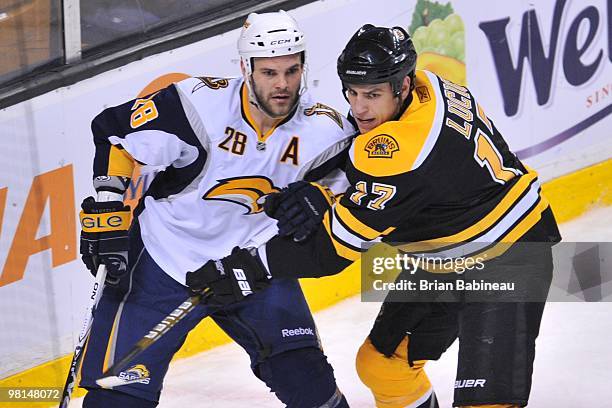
230,279
299,208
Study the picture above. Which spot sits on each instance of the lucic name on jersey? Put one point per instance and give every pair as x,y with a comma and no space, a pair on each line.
217,165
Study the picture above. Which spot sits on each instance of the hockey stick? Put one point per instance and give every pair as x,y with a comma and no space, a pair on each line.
96,294
113,378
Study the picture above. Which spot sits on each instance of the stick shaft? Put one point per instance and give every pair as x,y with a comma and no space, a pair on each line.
154,334
94,298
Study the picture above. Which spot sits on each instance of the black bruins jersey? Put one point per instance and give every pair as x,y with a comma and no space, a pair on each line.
440,180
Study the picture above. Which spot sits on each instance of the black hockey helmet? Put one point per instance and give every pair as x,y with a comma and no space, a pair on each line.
378,54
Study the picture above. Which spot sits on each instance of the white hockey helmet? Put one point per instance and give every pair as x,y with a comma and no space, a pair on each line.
269,35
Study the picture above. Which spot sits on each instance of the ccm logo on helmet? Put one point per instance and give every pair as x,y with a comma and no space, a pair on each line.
242,282
99,222
278,42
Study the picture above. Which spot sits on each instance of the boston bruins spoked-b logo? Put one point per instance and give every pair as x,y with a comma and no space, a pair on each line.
381,146
247,191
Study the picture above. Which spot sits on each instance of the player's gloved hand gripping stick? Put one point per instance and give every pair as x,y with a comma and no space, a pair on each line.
104,237
104,247
230,279
218,282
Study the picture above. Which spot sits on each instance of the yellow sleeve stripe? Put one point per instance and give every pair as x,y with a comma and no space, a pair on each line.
484,224
120,163
341,249
358,227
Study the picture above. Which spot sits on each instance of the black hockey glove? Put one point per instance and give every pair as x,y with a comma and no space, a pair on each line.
230,279
299,208
104,237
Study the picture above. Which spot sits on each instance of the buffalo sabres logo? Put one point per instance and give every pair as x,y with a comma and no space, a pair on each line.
210,82
137,373
248,192
381,146
321,109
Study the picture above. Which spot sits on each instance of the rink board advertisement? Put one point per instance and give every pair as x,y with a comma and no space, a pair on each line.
542,72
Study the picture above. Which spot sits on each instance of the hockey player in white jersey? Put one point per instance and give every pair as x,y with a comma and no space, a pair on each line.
223,144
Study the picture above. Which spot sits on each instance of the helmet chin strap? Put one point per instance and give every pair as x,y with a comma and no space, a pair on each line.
252,97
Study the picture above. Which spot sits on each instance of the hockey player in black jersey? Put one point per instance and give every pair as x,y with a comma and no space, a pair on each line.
429,170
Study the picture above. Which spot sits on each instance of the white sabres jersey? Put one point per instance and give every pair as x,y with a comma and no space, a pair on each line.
218,166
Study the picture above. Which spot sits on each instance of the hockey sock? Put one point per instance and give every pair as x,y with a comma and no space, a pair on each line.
393,382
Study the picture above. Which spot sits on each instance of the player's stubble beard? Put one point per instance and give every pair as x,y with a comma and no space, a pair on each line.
268,108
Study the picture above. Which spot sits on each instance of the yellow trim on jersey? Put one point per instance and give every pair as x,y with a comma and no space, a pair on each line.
492,218
111,339
340,248
411,133
120,163
247,112
356,226
505,243
78,376
526,223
